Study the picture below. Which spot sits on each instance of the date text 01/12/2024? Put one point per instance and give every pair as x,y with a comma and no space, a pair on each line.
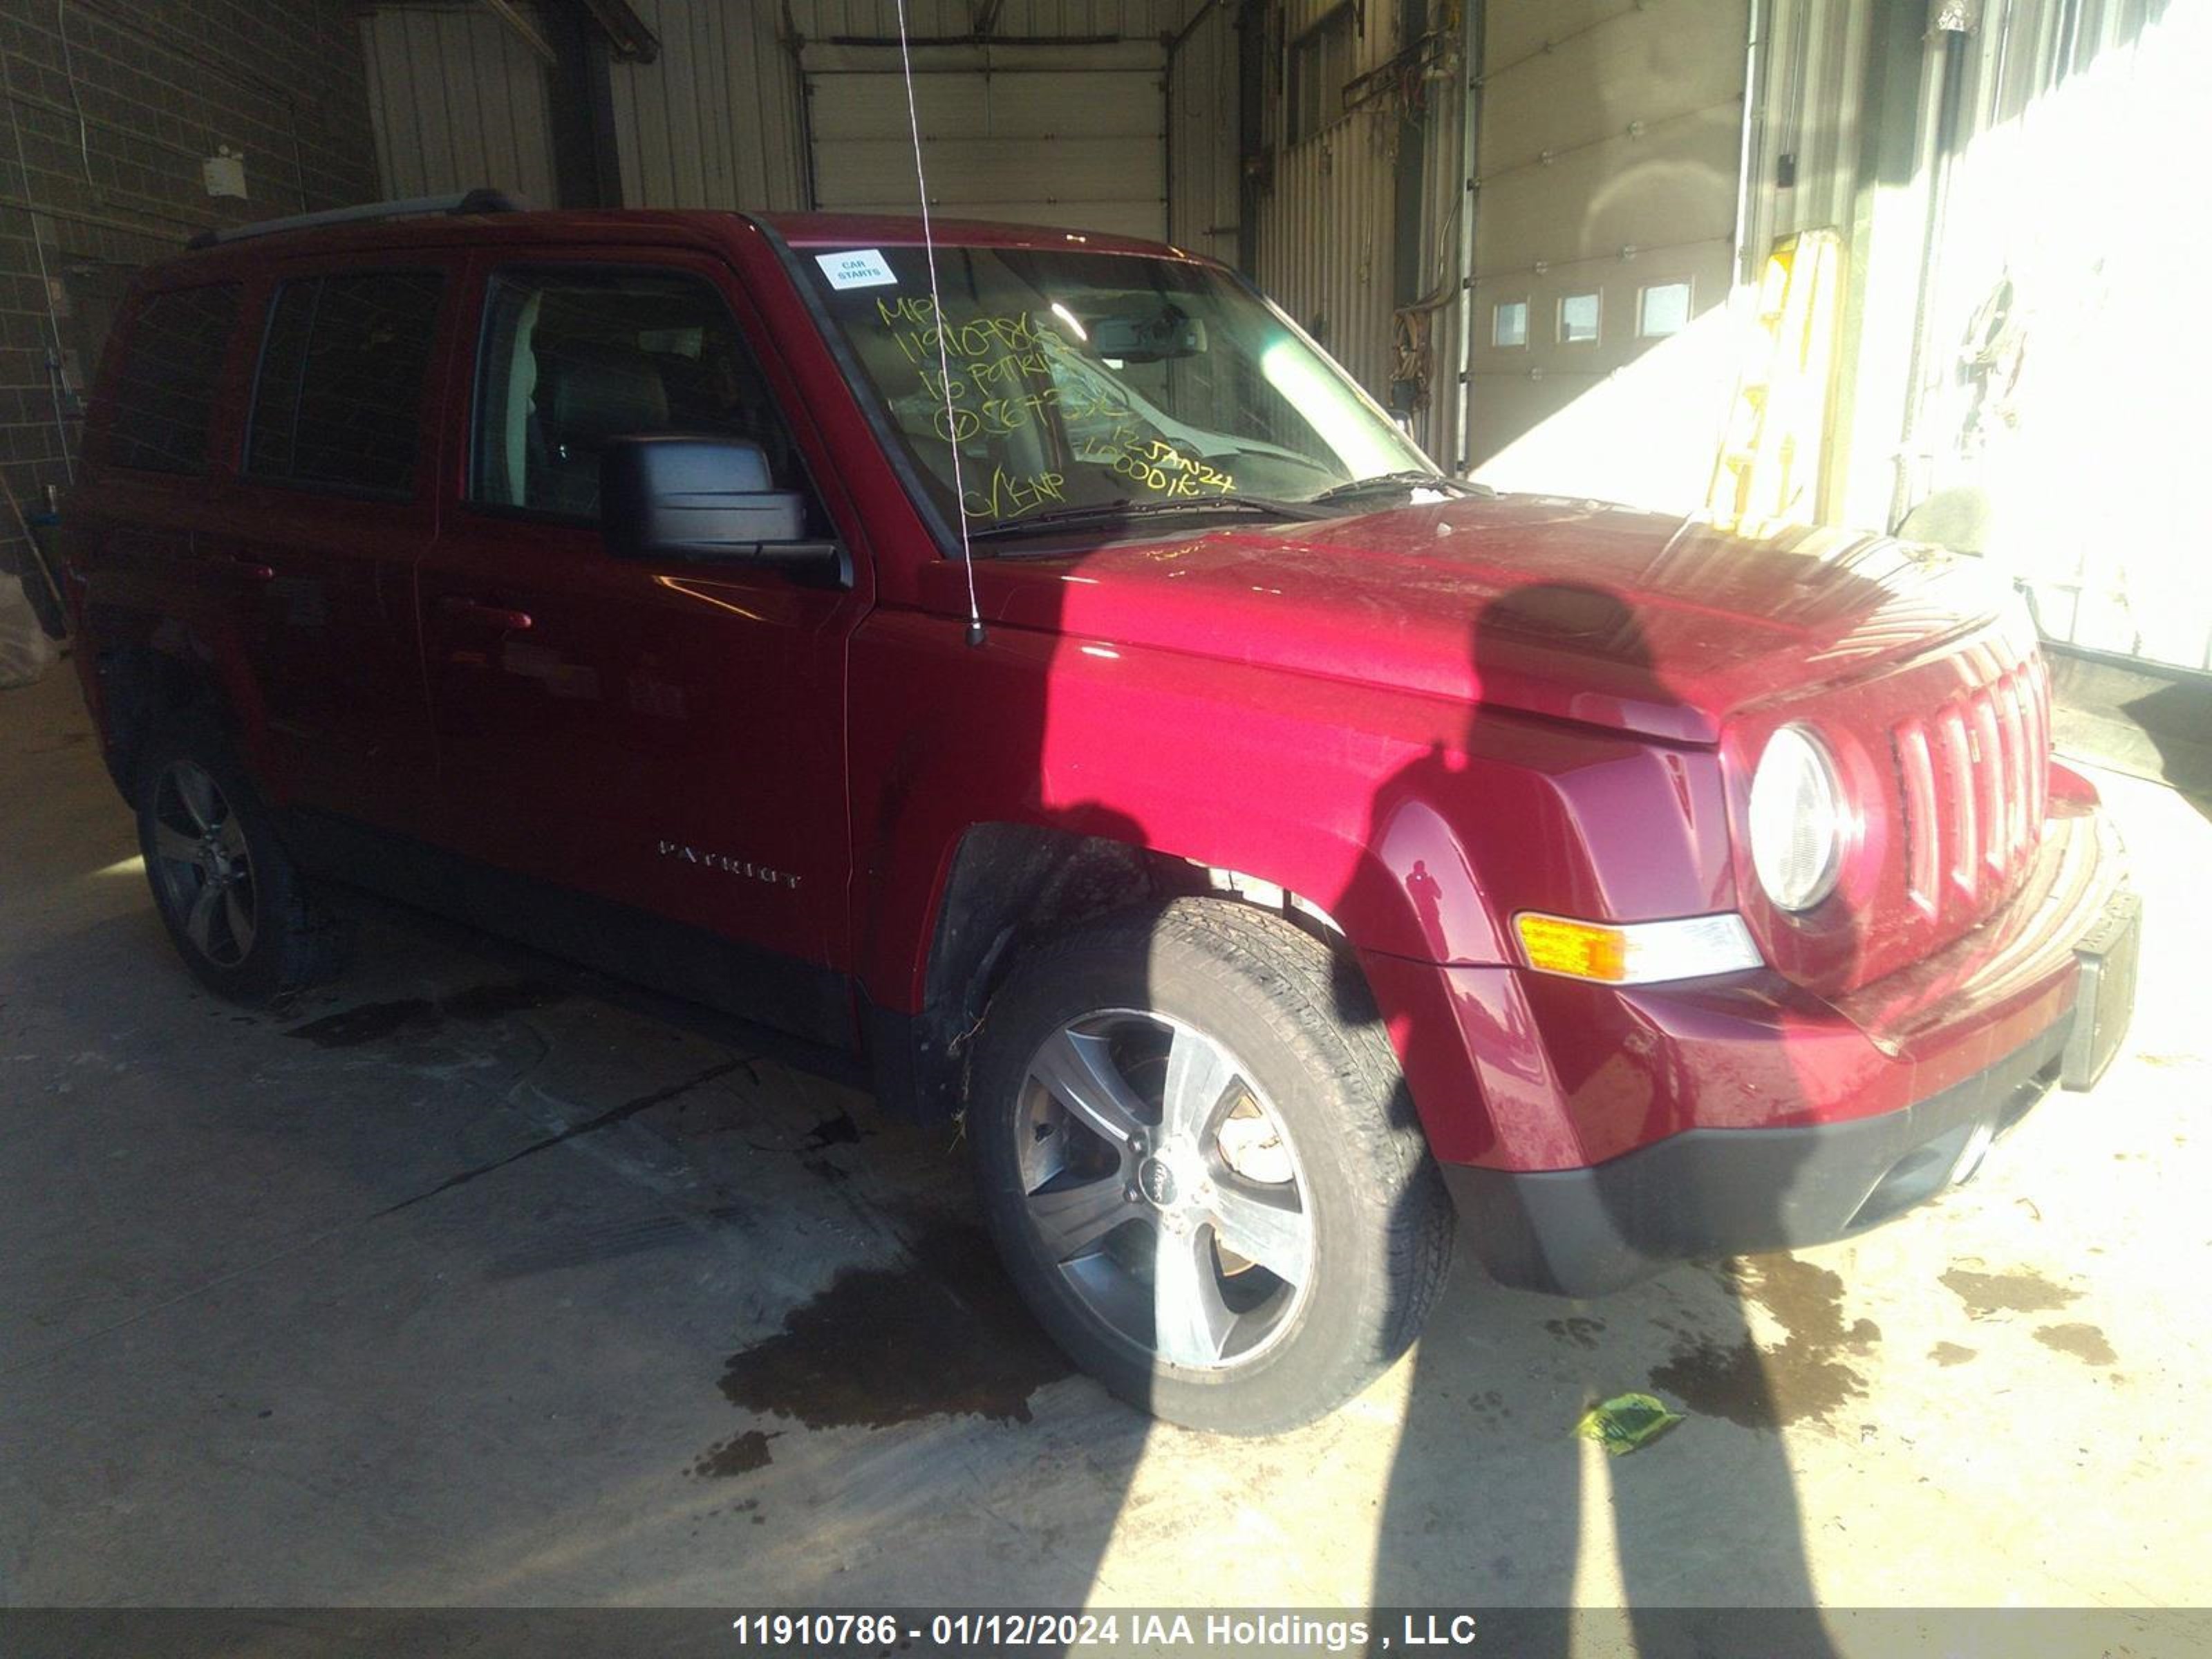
978,1631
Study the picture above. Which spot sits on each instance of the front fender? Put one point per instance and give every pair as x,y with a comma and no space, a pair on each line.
1418,824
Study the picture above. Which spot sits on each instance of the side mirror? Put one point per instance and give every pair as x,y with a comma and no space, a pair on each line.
707,498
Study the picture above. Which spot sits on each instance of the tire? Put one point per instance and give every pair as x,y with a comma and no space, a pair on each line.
229,894
1189,1079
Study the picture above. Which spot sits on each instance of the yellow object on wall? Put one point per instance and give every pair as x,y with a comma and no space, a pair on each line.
1768,473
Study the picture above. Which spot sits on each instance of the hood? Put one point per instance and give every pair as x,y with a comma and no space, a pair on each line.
1571,609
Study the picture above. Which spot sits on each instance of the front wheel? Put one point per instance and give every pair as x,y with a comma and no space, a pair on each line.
1196,1153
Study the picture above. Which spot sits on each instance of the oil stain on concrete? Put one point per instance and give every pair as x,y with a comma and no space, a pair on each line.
838,1131
2021,1291
415,1017
1808,1375
2085,1342
740,1455
942,1334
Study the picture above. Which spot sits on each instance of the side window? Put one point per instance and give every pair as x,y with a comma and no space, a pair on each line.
574,356
165,388
338,400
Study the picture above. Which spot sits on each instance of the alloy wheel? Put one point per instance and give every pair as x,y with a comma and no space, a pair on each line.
1164,1187
202,866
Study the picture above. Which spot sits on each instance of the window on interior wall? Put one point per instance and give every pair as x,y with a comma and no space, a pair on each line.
1578,314
1661,309
1321,63
1509,323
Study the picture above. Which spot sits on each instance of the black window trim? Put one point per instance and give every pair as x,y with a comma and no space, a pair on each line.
431,372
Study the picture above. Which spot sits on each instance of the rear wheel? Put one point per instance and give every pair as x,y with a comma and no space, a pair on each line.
229,893
1196,1151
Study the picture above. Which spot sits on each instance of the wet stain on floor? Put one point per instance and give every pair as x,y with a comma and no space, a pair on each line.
494,1000
838,1131
369,1023
942,1334
1489,1408
1947,1354
740,1455
2085,1342
2022,1292
1582,1333
1806,1376
372,1022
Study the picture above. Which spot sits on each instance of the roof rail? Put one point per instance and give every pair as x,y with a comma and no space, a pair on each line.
475,201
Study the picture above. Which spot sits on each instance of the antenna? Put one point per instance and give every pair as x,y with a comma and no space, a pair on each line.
943,361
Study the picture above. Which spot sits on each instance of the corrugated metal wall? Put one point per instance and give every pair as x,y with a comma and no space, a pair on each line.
1325,236
1202,137
1809,108
1325,233
457,101
715,121
1446,207
2057,424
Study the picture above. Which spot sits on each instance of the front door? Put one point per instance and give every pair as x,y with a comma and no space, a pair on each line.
650,752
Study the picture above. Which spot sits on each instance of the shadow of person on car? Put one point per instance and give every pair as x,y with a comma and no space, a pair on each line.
1493,1501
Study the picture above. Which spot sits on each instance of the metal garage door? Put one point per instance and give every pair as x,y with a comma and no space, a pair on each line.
1605,225
1079,142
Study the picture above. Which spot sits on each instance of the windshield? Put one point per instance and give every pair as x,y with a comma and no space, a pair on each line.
1092,381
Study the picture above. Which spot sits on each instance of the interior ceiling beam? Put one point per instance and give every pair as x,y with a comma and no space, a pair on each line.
525,25
627,37
628,40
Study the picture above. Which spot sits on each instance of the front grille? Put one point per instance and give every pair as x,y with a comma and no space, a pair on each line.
1972,783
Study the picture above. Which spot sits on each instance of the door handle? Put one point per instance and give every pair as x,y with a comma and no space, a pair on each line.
252,569
507,620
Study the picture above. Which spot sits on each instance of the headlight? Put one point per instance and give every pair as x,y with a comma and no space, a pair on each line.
1797,820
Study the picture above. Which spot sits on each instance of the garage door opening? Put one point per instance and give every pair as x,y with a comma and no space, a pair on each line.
1071,134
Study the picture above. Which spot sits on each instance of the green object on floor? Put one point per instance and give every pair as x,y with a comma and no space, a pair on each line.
1627,1422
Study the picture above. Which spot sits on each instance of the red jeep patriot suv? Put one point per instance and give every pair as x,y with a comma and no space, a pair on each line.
1048,689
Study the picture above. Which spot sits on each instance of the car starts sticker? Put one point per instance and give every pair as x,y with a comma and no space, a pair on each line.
862,268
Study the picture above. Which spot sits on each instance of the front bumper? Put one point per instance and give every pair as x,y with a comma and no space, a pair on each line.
1726,1192
1626,1129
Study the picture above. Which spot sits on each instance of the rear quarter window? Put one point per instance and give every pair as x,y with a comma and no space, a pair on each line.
165,387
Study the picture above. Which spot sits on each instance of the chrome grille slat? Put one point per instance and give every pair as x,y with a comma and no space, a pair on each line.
2012,773
1958,802
1923,824
1974,782
1988,780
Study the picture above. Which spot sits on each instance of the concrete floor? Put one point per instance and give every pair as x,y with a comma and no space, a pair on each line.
308,1310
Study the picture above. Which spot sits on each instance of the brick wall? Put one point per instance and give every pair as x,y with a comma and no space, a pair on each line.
107,108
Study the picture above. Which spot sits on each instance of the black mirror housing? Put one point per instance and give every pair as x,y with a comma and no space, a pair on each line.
705,498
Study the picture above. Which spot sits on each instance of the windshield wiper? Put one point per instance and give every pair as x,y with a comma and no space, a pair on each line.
1076,518
1411,479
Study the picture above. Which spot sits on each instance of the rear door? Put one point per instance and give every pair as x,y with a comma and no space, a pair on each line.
156,476
656,748
334,503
